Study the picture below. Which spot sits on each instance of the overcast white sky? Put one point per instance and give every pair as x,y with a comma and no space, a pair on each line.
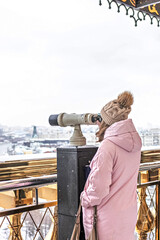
74,56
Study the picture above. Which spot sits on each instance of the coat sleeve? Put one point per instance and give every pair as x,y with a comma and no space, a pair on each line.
99,180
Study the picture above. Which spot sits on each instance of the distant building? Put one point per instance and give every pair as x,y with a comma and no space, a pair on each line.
34,134
150,137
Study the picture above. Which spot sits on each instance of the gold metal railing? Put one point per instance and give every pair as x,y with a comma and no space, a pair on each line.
147,226
28,197
23,166
30,211
21,212
148,195
150,155
16,222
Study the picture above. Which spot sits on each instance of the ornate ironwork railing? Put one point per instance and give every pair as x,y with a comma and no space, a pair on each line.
28,197
20,200
151,11
147,227
148,195
29,205
27,226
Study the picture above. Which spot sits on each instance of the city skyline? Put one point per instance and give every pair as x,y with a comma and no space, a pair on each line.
74,56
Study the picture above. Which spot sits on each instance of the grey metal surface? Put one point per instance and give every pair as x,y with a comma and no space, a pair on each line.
71,179
27,183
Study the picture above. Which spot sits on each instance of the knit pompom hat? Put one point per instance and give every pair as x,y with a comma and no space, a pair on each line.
117,109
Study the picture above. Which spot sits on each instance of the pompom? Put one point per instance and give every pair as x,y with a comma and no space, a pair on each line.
125,99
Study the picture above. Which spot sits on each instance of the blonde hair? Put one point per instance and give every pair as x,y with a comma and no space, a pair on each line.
102,129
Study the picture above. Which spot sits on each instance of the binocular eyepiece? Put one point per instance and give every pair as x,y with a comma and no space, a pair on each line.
96,118
64,119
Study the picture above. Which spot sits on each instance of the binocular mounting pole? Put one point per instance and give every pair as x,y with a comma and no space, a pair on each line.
77,138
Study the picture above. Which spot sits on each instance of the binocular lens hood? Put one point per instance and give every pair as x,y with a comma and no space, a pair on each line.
53,120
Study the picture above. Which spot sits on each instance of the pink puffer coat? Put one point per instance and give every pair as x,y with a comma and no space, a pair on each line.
112,184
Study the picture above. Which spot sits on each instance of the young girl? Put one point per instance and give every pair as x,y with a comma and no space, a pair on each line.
112,182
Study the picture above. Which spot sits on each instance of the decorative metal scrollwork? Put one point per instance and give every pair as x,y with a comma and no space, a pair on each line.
137,15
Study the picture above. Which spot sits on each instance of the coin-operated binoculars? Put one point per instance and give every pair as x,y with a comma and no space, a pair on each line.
71,169
75,120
